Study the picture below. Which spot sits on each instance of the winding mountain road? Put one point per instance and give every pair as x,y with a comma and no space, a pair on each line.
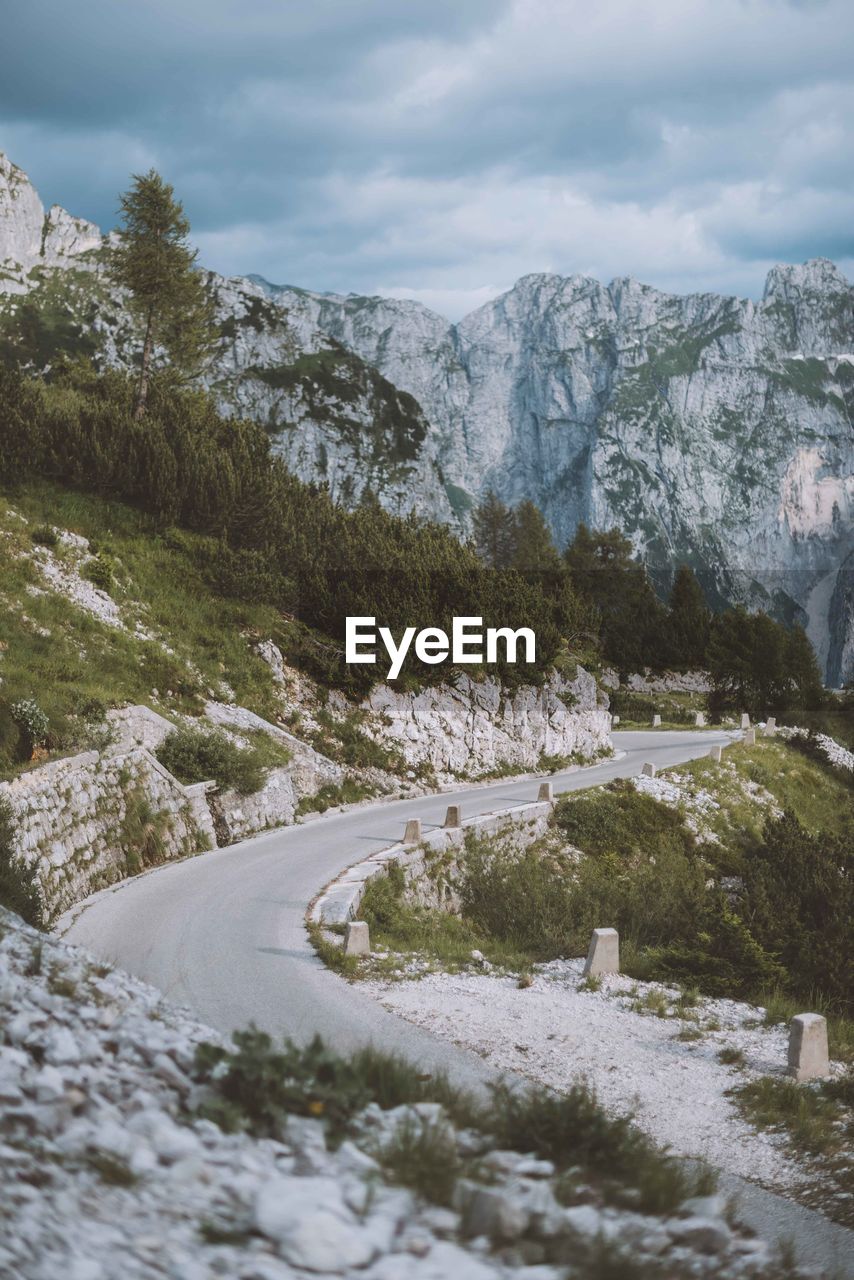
224,934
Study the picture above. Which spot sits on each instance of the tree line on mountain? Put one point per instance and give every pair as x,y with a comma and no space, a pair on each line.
756,664
268,536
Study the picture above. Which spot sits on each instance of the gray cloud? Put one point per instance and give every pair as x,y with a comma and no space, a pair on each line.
438,149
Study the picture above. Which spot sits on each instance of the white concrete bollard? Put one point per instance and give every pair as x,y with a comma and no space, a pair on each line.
412,834
546,792
770,727
604,953
648,771
749,738
454,817
715,753
615,719
699,720
808,1056
357,941
745,720
656,721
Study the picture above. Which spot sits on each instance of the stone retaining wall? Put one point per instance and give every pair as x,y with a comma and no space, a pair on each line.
94,818
91,819
430,864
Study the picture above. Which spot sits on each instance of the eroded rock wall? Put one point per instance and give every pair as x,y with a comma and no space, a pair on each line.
474,728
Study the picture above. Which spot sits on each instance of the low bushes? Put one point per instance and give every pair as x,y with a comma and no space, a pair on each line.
255,1086
402,926
32,722
761,909
799,901
638,709
571,1128
782,923
618,820
333,794
196,755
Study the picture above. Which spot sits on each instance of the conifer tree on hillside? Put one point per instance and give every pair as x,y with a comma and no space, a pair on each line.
632,619
155,263
494,532
803,669
533,550
690,619
758,666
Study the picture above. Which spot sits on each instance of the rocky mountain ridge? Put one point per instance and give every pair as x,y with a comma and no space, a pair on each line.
714,430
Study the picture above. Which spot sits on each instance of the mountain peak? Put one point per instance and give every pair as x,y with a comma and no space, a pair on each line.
29,237
815,275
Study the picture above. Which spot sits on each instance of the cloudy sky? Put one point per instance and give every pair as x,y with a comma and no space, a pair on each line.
439,149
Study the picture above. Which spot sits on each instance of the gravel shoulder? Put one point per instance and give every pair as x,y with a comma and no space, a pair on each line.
555,1034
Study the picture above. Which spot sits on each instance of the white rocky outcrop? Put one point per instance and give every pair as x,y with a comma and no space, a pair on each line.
31,238
833,751
108,1171
476,727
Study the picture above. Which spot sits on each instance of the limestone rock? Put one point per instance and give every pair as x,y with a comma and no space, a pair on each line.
312,1226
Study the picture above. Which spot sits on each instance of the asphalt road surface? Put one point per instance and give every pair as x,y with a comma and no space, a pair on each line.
224,934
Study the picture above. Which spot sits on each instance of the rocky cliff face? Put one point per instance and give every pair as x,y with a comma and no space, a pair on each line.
713,430
475,729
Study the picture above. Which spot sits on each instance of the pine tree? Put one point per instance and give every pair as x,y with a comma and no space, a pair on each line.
155,263
803,669
494,532
690,619
632,620
533,551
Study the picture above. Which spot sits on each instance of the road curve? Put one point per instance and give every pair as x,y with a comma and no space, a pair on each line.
224,934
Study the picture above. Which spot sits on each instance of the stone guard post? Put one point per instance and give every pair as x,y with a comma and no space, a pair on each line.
604,953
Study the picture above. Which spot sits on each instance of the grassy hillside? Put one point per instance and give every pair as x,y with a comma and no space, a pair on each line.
176,644
269,537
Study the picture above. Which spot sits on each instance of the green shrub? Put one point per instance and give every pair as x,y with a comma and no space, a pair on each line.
346,741
44,536
256,1086
571,1128
333,794
197,755
522,899
12,747
404,926
142,832
99,571
621,821
32,722
641,875
721,957
799,899
18,886
422,1154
